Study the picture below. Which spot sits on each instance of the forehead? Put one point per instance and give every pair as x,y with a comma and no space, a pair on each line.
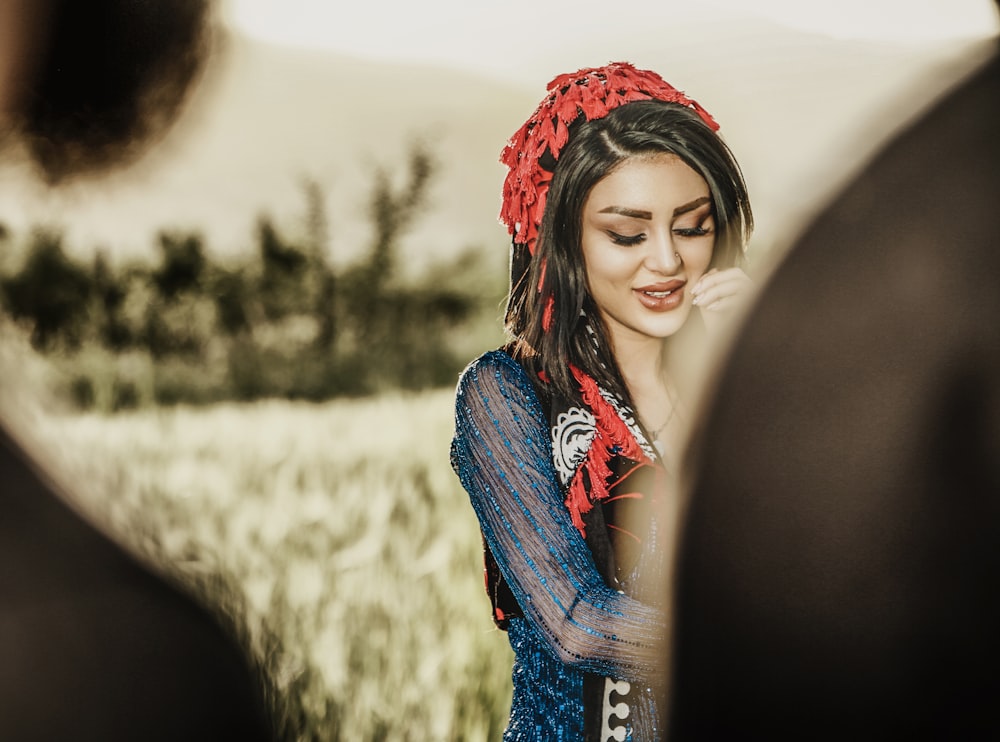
651,182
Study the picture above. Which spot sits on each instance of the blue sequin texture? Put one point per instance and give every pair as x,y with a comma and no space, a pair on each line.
573,623
547,703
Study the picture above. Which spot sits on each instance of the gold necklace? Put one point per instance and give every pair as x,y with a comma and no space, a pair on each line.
655,434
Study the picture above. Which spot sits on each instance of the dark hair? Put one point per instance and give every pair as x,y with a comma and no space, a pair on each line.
556,275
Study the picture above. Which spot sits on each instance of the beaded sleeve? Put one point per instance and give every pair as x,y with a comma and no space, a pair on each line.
502,454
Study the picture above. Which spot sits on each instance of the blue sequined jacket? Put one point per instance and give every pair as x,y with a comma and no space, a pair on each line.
573,623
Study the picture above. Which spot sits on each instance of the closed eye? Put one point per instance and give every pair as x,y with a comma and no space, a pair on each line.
693,232
627,240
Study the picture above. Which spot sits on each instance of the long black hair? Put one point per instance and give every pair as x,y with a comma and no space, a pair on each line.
554,280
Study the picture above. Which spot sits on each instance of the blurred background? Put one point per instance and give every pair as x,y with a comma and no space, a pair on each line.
245,343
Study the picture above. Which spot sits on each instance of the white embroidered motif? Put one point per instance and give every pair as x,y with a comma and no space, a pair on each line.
572,435
619,710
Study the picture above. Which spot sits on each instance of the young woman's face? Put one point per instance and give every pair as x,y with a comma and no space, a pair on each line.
647,236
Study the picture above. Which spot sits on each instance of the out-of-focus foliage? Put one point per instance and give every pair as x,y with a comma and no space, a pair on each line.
51,291
281,321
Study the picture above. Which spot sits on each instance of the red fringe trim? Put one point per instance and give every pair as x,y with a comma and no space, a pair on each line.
613,437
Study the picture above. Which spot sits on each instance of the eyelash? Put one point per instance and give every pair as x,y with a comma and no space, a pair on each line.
693,232
632,240
626,240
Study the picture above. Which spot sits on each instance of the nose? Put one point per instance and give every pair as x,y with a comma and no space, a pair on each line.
662,256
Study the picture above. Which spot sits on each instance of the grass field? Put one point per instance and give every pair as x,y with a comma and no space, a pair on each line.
336,539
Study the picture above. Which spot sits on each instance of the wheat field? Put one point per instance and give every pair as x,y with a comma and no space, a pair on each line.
333,537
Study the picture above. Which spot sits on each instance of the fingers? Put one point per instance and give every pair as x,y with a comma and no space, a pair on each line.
719,290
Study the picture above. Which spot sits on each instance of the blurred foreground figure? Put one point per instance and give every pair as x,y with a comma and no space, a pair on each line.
94,646
839,574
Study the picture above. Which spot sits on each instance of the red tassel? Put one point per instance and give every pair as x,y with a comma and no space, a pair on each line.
577,502
550,306
612,437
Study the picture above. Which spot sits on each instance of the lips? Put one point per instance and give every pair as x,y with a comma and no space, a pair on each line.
662,296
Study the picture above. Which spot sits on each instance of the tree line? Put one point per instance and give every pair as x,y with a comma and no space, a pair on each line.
281,321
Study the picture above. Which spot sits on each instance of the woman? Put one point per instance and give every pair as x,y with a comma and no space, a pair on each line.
627,210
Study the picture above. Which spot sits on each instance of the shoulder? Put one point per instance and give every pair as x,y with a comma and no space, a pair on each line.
494,371
489,361
497,386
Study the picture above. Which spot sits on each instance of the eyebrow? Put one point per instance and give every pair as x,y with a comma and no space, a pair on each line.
621,210
647,215
692,205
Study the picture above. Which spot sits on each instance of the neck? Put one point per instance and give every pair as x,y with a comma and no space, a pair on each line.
647,372
642,365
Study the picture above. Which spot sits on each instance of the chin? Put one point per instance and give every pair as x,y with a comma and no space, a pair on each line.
667,326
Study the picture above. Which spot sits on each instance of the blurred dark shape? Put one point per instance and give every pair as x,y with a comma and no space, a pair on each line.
109,293
283,268
94,646
110,76
393,329
393,210
231,295
839,567
52,291
182,263
317,239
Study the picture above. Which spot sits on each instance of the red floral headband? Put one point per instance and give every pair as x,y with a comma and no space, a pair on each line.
593,92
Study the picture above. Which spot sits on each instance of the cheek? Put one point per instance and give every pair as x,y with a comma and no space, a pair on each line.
599,264
697,258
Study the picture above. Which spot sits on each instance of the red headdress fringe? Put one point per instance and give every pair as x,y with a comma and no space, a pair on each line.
593,92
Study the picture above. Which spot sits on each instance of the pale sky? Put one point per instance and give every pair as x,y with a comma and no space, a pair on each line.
494,37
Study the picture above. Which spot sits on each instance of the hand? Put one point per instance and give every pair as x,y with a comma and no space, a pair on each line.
717,293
